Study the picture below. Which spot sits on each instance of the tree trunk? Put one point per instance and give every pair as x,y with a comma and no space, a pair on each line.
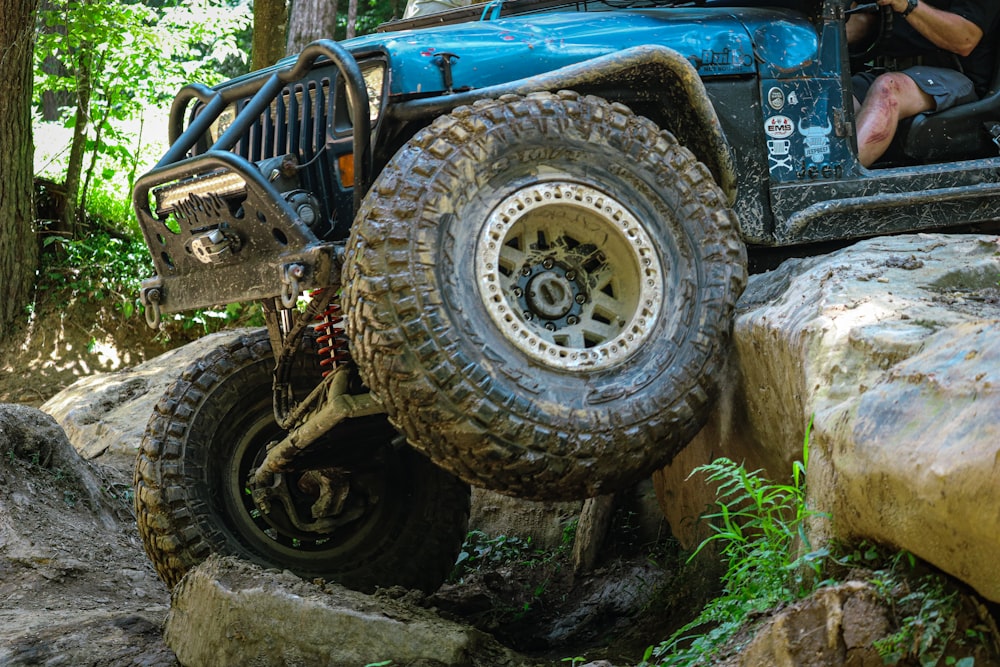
269,22
53,101
352,17
88,175
18,245
310,20
74,169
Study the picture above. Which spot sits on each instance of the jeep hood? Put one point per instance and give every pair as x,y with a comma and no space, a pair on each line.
718,42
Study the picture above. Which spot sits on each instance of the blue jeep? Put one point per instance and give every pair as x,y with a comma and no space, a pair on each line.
499,245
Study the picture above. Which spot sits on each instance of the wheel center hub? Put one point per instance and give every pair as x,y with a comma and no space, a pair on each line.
550,295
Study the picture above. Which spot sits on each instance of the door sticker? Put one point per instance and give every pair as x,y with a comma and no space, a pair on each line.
776,98
816,141
779,127
777,151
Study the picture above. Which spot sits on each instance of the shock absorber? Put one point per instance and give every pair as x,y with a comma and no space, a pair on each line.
331,339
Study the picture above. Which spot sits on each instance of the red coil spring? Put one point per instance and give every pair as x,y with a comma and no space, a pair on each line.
332,341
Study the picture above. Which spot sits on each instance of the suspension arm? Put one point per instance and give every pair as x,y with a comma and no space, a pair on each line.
334,405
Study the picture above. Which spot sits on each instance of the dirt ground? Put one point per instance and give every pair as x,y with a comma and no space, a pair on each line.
66,339
75,584
77,589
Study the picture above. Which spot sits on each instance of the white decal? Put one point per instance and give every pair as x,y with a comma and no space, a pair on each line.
793,98
817,141
778,146
779,127
776,98
777,151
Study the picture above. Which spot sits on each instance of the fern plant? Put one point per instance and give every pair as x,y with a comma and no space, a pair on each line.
759,529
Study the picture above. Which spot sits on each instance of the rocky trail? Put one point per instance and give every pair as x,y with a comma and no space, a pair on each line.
891,347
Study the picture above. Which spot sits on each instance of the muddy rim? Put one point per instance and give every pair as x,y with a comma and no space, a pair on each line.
293,527
569,275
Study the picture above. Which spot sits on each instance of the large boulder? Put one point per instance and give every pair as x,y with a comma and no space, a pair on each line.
229,612
106,413
892,348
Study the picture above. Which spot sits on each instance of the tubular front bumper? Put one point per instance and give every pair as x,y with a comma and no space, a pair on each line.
214,253
218,231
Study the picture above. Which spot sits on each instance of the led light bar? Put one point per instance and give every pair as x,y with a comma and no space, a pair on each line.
219,183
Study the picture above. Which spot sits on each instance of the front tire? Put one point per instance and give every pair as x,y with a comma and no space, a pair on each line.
401,520
540,292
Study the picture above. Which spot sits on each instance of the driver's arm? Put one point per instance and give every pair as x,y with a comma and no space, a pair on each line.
860,27
944,29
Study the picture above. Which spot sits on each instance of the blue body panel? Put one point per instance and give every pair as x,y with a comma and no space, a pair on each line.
718,42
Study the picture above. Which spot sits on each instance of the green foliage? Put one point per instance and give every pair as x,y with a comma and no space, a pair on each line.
926,610
125,57
480,551
924,630
109,269
108,207
98,267
139,55
245,314
371,14
759,530
536,569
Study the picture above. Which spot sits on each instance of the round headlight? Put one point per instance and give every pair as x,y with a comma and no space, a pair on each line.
374,76
222,123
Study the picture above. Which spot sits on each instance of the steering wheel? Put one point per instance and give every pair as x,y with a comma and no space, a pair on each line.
885,15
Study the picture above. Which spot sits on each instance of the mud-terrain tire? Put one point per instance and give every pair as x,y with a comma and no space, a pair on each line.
560,206
193,464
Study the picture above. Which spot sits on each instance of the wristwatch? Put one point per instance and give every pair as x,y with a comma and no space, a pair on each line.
910,6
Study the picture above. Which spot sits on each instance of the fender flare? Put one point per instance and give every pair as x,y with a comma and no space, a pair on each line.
653,71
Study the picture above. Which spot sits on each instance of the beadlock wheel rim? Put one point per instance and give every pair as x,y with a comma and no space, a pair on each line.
569,275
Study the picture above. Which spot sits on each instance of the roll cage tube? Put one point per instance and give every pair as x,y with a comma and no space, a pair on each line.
264,91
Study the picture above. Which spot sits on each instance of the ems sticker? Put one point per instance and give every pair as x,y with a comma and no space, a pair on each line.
779,127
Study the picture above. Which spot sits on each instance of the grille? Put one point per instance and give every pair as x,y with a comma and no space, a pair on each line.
298,123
